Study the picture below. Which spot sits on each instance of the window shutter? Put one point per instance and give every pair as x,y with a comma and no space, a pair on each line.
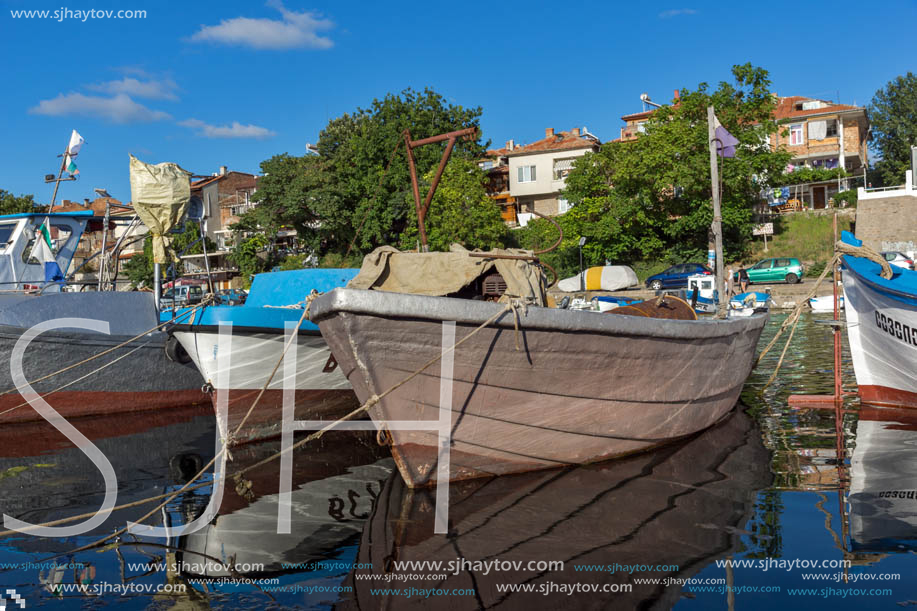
533,172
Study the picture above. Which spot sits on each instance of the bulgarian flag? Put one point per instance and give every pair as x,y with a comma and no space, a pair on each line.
45,254
73,149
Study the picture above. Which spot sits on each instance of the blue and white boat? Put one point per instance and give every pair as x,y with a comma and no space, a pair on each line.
707,297
276,301
752,302
134,377
882,329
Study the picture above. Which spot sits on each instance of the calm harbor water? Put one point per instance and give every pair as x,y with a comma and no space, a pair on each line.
732,518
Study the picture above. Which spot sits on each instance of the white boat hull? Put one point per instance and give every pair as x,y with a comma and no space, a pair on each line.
825,303
882,332
322,391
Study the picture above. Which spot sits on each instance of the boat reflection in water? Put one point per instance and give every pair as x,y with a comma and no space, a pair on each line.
335,483
682,505
883,481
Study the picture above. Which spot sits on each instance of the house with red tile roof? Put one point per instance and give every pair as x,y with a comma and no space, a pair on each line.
821,134
537,171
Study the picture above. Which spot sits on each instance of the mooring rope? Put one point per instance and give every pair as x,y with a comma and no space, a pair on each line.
113,348
841,249
100,355
190,485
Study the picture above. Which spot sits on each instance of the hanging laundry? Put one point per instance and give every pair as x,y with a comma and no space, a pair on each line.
818,130
785,193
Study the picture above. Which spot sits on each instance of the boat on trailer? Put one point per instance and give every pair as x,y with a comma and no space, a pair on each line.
137,376
275,302
881,315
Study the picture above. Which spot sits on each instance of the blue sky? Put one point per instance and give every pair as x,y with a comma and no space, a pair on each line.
206,84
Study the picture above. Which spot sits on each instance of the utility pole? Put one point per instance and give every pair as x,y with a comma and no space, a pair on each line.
717,215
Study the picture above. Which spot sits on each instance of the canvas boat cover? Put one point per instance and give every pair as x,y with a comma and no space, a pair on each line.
604,278
443,273
160,195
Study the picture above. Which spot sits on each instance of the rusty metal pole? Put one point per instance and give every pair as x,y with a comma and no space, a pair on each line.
416,189
439,174
411,145
838,393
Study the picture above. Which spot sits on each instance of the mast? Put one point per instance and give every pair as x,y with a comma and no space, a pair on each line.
717,215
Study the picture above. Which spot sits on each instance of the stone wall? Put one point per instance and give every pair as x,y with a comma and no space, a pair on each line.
888,223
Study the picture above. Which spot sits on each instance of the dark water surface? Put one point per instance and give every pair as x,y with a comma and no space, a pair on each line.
771,491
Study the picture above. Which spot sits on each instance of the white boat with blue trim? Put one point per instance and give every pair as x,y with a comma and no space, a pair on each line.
881,329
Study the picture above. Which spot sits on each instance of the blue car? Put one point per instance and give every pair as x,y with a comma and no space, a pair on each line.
676,276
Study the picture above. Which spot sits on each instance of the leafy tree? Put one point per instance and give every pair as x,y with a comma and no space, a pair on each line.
650,198
893,115
250,254
460,212
16,204
327,197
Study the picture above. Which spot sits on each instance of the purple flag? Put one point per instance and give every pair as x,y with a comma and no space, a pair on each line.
726,142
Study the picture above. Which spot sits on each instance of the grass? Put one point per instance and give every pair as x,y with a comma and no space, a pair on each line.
808,237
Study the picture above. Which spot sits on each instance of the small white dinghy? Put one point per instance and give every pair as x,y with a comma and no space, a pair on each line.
825,303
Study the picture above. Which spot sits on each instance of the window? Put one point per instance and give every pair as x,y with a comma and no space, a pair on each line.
562,206
831,129
766,264
641,127
527,173
796,135
6,233
486,165
562,167
782,263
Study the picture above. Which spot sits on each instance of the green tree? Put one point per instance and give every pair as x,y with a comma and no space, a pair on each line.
327,197
251,255
650,198
893,115
16,204
460,212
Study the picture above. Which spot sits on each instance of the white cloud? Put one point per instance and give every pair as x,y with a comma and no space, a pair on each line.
236,130
293,31
163,89
675,12
119,108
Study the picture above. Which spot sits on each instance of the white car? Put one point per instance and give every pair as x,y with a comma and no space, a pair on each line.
898,258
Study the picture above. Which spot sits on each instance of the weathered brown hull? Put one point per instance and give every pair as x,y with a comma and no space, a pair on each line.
671,511
580,388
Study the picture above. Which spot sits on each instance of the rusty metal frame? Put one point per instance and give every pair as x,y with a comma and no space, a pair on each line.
410,145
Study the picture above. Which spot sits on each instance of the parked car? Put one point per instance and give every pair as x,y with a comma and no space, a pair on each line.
676,276
898,258
232,296
778,269
181,296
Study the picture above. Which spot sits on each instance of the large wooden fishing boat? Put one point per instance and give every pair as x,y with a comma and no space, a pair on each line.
567,388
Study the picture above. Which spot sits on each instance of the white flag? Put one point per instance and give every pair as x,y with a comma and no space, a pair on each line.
76,142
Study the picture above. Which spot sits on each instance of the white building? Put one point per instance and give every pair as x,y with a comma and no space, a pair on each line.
537,171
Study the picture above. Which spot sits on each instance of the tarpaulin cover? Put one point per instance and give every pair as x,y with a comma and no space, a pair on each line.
605,278
160,195
443,273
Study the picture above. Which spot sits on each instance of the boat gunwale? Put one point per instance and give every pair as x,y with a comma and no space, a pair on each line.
399,305
242,329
